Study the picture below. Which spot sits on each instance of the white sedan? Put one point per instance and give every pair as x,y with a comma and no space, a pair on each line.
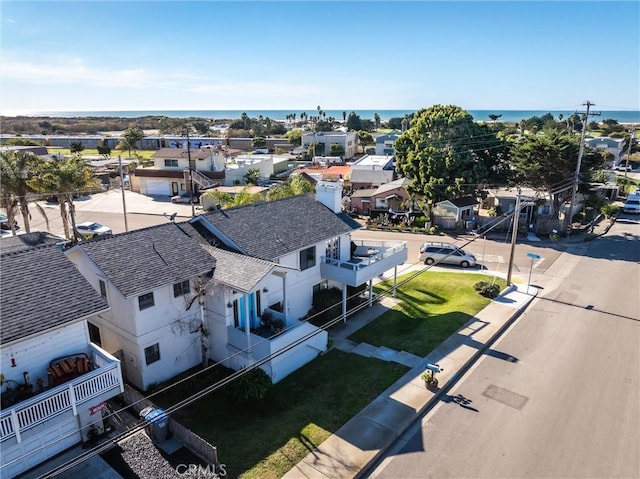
92,229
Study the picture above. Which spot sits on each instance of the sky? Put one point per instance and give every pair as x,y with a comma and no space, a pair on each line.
215,55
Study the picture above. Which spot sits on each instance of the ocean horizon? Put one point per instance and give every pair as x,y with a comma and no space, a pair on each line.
621,116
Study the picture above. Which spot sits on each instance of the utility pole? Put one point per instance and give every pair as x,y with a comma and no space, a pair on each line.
124,203
191,168
631,138
576,180
514,236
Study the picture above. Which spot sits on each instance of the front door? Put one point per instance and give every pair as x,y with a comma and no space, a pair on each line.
174,188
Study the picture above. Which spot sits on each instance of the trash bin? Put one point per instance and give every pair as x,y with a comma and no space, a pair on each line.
158,423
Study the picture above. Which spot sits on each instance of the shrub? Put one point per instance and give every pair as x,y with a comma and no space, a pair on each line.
609,210
433,230
486,289
251,386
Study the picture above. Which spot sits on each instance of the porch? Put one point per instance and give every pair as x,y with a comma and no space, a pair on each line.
48,402
369,258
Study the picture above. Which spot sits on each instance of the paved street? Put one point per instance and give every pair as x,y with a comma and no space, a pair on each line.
559,395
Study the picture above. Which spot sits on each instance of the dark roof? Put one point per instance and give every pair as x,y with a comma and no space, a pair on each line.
42,289
12,244
235,270
146,259
464,201
272,229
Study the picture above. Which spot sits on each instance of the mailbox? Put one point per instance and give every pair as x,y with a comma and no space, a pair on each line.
435,368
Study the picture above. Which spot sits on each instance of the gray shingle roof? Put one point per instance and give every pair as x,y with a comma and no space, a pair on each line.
12,244
41,289
146,259
235,270
272,229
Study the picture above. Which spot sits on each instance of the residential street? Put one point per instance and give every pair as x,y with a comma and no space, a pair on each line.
559,395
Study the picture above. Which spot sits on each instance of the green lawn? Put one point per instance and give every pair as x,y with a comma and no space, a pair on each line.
265,439
433,306
94,152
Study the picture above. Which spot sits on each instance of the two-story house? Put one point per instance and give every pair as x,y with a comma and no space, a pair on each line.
54,377
371,171
385,144
231,285
174,169
348,141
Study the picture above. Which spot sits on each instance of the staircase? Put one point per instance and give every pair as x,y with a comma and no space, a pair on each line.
201,180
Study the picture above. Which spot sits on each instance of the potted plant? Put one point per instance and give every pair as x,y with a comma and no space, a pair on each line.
429,380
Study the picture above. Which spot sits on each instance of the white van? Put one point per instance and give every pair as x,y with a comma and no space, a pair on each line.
632,205
445,253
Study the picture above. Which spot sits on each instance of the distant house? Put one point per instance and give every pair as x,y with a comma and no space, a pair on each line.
170,173
449,213
348,141
55,375
614,146
385,144
371,171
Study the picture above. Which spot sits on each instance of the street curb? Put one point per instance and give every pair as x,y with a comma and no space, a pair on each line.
365,470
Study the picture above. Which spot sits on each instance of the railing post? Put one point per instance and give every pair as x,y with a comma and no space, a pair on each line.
72,399
16,425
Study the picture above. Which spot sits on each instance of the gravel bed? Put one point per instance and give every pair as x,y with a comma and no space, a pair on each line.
139,458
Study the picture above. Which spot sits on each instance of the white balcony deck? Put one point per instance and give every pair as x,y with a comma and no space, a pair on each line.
104,379
381,256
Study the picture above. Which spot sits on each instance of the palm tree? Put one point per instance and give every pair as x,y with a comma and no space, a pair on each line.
64,179
130,138
16,169
344,115
376,119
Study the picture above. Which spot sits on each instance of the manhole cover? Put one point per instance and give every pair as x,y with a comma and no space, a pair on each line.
509,398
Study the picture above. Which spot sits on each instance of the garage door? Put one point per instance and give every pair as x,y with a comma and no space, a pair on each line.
157,188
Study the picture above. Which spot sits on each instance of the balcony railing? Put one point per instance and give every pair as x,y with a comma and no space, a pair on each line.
380,256
106,378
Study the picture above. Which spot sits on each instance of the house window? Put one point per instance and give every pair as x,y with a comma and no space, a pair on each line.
332,248
307,258
145,301
258,302
170,163
94,334
152,354
103,288
180,289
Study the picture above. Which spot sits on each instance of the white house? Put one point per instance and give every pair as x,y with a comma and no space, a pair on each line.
385,144
170,173
230,285
615,146
372,171
348,141
55,378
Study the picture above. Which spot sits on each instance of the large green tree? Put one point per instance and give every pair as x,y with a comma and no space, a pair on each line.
65,178
17,168
446,154
548,160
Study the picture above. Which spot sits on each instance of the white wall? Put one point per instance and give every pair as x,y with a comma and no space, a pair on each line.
33,355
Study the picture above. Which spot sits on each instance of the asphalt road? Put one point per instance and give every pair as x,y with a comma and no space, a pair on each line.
559,395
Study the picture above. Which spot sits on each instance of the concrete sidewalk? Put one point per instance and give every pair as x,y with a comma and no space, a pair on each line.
363,439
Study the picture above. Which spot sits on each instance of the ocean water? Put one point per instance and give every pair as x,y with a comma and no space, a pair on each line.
622,116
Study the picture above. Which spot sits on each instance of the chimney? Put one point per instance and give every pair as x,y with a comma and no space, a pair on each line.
329,193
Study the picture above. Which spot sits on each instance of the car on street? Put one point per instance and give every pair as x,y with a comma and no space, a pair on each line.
623,167
184,198
445,253
4,223
632,205
93,230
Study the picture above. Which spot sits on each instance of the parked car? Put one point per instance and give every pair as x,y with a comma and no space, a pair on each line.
261,151
623,167
445,253
184,198
632,205
4,223
93,230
